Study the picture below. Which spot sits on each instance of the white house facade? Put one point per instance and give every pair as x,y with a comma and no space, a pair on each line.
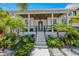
41,20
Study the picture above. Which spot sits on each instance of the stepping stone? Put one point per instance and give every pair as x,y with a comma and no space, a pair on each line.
57,52
68,52
40,52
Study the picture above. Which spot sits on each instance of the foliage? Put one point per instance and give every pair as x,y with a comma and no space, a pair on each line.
66,28
74,19
9,24
55,42
6,42
25,50
49,39
71,39
3,14
61,27
22,6
22,45
77,43
25,46
69,42
27,39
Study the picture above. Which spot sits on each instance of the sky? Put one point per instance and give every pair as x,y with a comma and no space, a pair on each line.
12,6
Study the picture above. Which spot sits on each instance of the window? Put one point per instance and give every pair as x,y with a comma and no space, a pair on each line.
54,21
64,21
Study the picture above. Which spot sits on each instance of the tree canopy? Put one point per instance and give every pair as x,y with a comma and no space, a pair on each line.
10,23
74,19
22,6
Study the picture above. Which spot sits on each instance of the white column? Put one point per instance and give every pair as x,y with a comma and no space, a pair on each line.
28,22
52,21
72,13
68,18
59,20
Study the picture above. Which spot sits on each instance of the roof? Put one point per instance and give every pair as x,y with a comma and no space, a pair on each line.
72,6
41,10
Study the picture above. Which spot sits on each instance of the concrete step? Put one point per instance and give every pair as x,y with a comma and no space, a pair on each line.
36,46
40,43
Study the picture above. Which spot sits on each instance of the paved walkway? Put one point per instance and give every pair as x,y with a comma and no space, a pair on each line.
40,46
46,52
54,52
40,52
6,52
40,39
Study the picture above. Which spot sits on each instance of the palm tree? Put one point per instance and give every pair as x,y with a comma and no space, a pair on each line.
14,24
7,22
66,28
3,15
22,6
60,27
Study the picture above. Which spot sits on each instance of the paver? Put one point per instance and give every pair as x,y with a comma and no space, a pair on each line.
57,52
68,52
6,52
40,52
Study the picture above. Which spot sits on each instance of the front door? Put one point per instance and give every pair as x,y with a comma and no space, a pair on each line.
40,26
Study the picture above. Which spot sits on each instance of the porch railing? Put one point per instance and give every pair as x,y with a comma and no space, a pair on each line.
45,29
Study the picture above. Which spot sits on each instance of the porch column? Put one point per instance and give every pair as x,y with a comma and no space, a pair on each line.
72,13
52,21
59,20
28,22
68,18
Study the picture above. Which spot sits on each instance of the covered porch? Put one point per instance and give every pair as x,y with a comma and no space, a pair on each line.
43,21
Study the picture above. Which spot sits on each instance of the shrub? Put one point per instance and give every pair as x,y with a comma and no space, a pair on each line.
72,39
6,42
27,39
69,42
49,42
25,50
22,46
57,43
26,45
49,39
77,43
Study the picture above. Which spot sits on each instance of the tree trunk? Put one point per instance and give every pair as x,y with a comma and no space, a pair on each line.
17,32
4,32
58,34
65,35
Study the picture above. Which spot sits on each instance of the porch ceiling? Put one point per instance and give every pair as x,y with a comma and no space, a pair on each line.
40,16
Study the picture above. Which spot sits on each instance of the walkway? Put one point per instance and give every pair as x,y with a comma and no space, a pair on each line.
62,52
40,40
40,52
40,46
7,52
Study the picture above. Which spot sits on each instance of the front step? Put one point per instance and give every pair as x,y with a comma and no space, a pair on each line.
43,47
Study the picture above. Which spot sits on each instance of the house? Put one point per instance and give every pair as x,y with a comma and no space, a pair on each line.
42,19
